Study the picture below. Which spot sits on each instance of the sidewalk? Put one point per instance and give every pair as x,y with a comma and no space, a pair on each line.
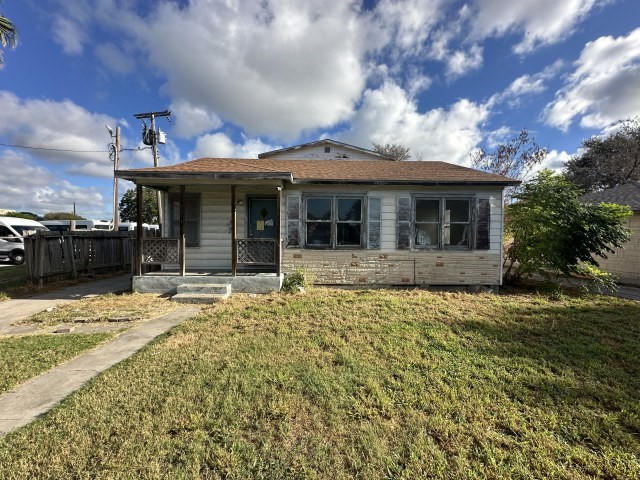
13,310
39,395
630,293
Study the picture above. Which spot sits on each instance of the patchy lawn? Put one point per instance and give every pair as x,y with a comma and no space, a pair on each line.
132,306
360,384
26,357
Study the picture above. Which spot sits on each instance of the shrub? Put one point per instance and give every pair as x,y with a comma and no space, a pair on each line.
297,280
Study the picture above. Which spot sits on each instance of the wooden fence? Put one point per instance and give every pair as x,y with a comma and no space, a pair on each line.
55,256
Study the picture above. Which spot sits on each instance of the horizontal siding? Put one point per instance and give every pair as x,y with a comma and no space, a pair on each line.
318,153
388,196
215,233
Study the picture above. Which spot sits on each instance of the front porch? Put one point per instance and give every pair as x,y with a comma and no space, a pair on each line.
213,235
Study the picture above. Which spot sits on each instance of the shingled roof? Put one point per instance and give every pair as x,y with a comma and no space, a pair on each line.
625,194
324,171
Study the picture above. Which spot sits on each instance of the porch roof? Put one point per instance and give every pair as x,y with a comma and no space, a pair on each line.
320,172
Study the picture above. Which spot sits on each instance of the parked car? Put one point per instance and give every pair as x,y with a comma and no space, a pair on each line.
12,231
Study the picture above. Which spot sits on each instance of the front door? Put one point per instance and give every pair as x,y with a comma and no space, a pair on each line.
262,218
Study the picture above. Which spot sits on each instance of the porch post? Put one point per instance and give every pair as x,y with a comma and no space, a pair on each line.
279,231
138,249
182,234
234,245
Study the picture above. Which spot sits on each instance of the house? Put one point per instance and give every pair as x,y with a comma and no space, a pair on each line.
345,214
625,263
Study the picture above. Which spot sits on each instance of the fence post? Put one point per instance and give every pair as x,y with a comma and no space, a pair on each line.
71,252
40,245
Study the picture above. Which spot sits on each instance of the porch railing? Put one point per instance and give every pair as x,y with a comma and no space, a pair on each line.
160,251
256,251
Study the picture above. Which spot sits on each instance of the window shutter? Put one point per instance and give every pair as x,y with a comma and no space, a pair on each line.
293,221
374,222
483,224
403,225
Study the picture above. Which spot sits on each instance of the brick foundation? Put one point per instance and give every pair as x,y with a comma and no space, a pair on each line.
395,268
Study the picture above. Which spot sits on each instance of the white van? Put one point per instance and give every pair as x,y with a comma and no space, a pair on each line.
65,225
12,230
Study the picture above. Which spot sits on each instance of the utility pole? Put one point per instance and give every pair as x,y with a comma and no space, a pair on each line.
154,148
114,152
116,163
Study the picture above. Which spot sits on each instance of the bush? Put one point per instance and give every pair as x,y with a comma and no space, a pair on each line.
297,280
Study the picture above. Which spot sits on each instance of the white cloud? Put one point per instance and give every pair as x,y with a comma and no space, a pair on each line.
69,34
389,115
58,125
274,68
406,25
191,120
36,189
604,86
460,62
114,58
219,145
555,160
529,84
542,22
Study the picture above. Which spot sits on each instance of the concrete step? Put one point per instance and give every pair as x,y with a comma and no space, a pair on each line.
204,288
202,298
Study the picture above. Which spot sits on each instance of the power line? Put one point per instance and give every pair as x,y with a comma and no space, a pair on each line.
70,149
54,149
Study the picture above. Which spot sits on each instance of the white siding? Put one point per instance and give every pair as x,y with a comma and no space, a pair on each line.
215,232
317,152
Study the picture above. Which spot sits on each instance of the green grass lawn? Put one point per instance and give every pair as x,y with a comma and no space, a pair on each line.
25,357
360,384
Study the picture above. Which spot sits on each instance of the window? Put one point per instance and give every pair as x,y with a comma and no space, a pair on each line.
457,220
333,222
191,217
443,223
327,149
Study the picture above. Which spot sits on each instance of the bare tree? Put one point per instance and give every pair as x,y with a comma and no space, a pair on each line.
513,159
393,150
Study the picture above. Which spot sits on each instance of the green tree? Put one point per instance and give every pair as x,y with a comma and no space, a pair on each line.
62,216
393,150
27,215
609,161
513,159
8,35
129,210
555,234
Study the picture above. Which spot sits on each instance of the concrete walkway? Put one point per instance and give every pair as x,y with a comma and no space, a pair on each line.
39,395
13,310
628,292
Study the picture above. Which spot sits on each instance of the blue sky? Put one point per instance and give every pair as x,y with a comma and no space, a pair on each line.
242,77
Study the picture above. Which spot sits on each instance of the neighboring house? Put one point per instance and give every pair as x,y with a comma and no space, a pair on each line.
362,219
625,264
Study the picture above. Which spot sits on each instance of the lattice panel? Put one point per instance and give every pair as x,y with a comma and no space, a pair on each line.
254,250
160,250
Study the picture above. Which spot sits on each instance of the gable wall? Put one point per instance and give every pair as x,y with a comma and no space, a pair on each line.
625,264
317,152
